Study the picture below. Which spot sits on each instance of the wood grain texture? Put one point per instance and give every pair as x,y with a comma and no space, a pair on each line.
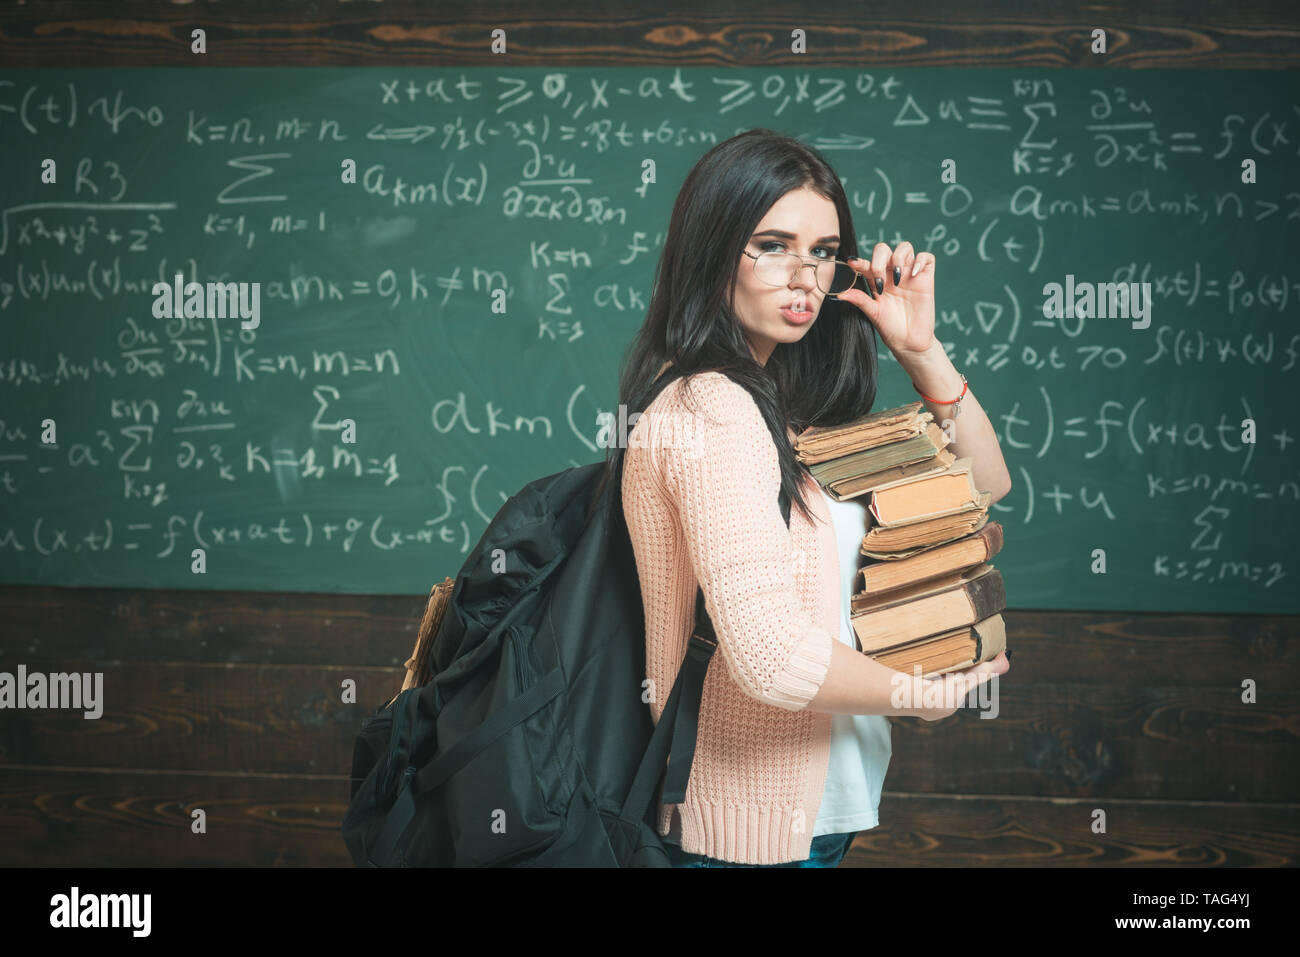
71,818
919,830
82,818
1160,35
1066,740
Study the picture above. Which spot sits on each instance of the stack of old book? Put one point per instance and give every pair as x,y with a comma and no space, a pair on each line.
928,599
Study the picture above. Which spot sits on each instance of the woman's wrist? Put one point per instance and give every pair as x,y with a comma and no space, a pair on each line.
932,372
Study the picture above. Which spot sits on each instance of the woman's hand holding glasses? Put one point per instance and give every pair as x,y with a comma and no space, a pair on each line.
901,303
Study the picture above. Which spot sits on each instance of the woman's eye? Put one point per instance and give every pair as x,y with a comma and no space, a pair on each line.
827,252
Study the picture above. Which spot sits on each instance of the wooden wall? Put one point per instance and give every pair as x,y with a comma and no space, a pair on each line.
234,696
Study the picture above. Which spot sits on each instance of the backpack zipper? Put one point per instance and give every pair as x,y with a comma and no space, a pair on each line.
516,645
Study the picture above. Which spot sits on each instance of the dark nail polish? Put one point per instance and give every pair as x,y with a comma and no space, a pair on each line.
880,285
898,275
1008,657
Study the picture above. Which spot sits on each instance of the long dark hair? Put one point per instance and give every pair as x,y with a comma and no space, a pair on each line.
827,378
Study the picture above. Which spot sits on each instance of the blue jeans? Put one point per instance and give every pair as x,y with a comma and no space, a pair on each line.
827,850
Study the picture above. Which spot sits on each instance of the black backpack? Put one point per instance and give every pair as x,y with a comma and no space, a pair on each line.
532,744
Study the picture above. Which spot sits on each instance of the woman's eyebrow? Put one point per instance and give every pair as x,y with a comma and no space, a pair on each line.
782,234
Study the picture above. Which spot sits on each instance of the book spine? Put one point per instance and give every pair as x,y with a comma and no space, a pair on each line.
992,535
987,595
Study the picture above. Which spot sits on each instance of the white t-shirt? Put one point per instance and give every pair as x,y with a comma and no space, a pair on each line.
860,743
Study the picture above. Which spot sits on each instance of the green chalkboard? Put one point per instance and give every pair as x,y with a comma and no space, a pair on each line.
127,440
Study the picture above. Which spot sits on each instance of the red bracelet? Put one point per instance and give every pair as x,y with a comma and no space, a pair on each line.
950,401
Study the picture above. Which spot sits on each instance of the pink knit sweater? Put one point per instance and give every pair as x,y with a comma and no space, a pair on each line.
700,488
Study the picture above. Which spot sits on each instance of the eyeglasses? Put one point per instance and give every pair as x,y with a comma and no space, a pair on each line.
778,269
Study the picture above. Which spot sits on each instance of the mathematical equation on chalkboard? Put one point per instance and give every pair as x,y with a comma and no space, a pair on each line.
319,324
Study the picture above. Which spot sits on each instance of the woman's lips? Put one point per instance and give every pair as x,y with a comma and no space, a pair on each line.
798,310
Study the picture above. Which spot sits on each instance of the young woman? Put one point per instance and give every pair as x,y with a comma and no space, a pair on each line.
793,741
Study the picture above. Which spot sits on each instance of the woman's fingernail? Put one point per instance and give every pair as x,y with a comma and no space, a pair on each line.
1008,657
880,285
898,275
917,268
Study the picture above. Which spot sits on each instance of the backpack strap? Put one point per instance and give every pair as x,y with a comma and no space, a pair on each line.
690,689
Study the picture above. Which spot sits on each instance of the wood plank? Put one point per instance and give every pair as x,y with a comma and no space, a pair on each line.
79,818
273,628
1001,33
923,830
1125,649
202,717
1133,649
1071,740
